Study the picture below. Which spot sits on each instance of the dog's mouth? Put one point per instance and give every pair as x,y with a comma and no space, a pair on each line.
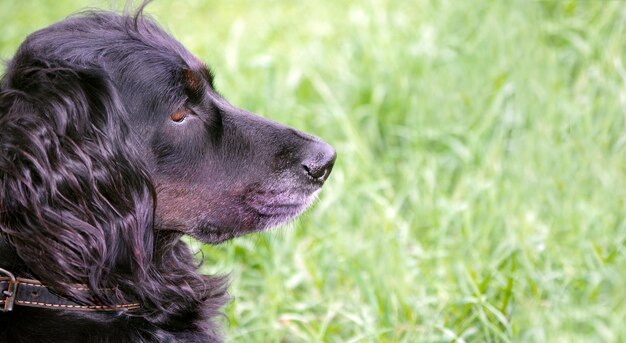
265,210
279,210
271,215
255,211
220,216
279,204
275,208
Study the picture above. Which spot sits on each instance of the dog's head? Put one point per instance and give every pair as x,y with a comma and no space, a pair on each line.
109,126
219,171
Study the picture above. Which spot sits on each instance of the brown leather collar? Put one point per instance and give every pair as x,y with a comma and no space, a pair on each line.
32,293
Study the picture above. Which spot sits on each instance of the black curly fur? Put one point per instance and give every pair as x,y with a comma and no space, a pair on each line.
97,184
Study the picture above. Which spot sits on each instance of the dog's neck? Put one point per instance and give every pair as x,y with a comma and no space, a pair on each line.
180,294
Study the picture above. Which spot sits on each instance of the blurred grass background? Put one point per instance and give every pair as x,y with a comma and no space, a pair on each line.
479,193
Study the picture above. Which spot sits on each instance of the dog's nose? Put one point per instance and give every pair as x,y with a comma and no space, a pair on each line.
319,161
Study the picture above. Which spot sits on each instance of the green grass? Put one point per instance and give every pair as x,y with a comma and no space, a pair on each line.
479,193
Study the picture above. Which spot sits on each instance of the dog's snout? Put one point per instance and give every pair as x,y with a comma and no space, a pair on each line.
319,161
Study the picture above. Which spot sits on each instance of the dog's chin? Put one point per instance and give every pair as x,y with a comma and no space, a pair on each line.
254,216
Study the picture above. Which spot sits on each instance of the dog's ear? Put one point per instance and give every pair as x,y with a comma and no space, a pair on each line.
75,200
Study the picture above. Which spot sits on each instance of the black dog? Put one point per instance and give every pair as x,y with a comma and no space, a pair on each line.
113,144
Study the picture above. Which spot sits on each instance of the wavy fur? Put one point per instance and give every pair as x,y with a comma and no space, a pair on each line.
113,144
77,206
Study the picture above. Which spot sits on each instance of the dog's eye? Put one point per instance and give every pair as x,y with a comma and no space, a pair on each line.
179,115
